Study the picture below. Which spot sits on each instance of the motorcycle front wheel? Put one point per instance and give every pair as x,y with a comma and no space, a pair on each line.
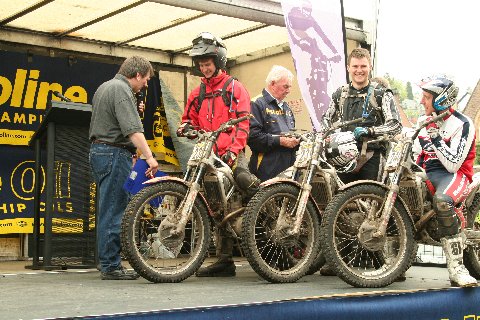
342,245
273,253
471,255
142,244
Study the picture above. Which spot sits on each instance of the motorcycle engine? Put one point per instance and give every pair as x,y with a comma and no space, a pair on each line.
413,192
322,188
236,203
213,189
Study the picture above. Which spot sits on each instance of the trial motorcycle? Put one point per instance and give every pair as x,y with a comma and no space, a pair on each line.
370,229
281,223
166,229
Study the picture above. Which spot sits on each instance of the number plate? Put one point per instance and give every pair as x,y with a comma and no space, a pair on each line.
197,152
304,154
394,157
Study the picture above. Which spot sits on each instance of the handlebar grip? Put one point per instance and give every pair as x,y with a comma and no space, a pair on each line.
346,123
191,134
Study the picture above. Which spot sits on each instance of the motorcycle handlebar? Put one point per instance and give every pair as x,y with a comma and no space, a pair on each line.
233,122
337,125
347,123
293,134
230,123
433,119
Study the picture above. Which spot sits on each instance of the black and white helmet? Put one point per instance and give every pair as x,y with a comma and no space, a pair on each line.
207,45
443,90
341,151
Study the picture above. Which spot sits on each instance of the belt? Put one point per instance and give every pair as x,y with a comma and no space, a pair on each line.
131,150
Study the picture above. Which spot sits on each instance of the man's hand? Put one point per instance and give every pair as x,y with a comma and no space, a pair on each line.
141,107
432,129
152,167
229,158
360,132
289,142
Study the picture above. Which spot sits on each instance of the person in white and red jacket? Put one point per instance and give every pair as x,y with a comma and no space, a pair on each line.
447,155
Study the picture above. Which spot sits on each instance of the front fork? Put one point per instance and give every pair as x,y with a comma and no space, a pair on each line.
172,229
386,211
388,204
301,204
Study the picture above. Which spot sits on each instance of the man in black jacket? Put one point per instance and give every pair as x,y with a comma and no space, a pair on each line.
271,152
375,103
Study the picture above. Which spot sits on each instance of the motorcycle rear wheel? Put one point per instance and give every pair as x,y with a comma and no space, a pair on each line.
471,256
141,242
354,263
272,259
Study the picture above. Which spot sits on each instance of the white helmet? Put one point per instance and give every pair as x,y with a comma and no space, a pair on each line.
443,90
341,151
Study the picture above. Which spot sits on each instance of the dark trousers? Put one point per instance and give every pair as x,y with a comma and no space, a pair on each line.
369,171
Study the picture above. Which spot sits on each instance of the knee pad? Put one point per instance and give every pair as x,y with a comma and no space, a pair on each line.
448,223
245,179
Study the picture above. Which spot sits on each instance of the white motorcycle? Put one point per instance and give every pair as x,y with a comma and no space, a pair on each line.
166,229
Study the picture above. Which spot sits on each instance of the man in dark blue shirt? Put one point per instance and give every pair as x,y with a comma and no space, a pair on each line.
271,152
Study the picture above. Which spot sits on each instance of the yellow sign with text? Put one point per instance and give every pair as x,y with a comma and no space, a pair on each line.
25,225
15,137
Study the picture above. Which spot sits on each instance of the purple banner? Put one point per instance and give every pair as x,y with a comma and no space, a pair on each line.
316,37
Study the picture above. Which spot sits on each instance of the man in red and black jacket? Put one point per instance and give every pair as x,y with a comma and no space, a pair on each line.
217,99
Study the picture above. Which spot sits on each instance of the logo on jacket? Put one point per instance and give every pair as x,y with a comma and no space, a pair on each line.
276,112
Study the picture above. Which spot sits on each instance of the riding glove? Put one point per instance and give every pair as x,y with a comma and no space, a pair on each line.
229,158
432,129
360,132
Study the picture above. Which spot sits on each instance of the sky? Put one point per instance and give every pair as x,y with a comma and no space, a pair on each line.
417,38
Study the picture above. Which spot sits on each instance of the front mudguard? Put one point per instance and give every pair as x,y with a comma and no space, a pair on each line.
179,180
383,186
275,181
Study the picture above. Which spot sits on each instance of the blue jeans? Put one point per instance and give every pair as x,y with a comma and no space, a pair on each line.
111,167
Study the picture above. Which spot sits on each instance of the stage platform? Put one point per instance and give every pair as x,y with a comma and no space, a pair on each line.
74,293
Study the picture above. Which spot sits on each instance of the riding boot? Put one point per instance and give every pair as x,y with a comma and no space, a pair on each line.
459,275
224,266
326,270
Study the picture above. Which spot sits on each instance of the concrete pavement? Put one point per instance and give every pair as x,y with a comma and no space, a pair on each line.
36,294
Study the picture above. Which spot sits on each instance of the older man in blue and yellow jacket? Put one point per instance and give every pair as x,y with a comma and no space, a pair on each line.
271,152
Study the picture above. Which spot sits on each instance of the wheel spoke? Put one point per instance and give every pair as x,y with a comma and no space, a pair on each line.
360,256
274,252
173,257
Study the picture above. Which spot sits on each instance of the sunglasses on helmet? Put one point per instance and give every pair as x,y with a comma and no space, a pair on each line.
206,38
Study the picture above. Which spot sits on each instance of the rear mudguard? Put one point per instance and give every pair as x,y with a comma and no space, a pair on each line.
376,183
473,188
275,181
175,179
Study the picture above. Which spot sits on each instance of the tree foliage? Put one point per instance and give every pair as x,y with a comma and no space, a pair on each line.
397,87
409,91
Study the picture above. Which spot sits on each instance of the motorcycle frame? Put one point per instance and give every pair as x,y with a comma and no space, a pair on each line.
393,187
311,168
195,173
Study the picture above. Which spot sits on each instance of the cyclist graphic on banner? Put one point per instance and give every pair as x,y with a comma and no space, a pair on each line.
317,52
